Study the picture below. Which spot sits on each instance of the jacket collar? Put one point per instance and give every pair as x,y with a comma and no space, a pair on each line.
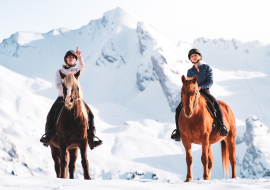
65,67
193,67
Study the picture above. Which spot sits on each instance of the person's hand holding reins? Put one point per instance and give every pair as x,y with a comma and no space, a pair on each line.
78,53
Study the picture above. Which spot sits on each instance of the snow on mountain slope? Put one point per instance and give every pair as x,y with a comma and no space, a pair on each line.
117,48
132,81
21,114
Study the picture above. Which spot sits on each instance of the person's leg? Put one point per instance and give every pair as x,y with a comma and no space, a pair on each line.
222,127
92,130
49,127
176,133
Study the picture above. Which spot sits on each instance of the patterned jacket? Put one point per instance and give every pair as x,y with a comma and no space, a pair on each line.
58,79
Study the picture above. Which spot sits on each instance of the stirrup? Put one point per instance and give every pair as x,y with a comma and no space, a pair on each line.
44,140
176,135
97,143
93,144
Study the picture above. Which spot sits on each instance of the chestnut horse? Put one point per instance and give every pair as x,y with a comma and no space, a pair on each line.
71,130
195,126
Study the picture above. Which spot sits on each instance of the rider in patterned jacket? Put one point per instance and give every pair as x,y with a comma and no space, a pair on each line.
204,74
70,60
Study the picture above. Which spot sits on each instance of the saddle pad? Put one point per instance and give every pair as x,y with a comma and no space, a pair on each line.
223,114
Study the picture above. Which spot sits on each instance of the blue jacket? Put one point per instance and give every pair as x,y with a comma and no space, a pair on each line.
205,75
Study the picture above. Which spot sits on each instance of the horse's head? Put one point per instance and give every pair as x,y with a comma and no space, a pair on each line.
190,95
71,88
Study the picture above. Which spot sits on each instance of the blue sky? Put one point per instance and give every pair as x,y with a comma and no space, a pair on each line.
177,19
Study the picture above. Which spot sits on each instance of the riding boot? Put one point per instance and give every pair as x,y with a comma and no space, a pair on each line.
92,130
91,139
50,134
223,129
50,122
176,135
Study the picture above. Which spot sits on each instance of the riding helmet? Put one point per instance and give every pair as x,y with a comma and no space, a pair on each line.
70,52
194,51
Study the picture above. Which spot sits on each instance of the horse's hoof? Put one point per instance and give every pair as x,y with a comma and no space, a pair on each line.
206,177
87,177
188,180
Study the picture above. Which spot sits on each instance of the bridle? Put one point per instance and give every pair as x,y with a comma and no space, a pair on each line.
76,97
194,103
63,105
76,93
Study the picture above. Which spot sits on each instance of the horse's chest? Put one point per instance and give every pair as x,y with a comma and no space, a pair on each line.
194,128
71,129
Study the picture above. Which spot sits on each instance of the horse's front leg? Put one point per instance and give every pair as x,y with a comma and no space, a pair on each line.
57,161
187,146
210,161
83,149
204,158
73,153
63,160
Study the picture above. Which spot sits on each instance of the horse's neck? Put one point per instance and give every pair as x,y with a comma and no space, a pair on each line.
201,107
80,110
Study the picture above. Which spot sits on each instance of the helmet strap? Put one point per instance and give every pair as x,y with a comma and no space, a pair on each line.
196,62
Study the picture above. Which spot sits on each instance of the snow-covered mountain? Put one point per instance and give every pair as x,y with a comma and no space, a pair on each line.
22,113
256,160
132,81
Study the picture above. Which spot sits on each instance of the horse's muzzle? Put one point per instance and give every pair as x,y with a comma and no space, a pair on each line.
68,105
189,114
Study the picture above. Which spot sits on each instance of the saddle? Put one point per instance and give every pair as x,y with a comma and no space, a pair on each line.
211,109
58,112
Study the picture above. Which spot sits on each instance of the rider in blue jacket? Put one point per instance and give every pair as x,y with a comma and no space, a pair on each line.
204,74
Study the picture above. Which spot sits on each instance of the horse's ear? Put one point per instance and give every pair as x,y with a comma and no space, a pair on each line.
194,80
76,75
183,78
62,74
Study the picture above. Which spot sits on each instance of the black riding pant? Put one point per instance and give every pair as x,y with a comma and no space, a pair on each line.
53,112
205,92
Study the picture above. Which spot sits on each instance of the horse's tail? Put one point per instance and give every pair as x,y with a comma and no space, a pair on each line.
225,158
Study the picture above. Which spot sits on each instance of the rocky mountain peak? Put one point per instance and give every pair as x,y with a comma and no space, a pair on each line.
256,162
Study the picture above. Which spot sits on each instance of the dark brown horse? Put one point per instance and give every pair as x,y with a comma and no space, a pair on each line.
71,130
195,125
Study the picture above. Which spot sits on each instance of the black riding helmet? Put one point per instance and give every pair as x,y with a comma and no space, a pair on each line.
70,52
192,51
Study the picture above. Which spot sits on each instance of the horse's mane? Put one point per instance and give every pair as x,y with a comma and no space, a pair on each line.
71,81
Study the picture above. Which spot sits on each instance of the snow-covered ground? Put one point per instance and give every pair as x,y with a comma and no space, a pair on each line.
132,82
29,183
